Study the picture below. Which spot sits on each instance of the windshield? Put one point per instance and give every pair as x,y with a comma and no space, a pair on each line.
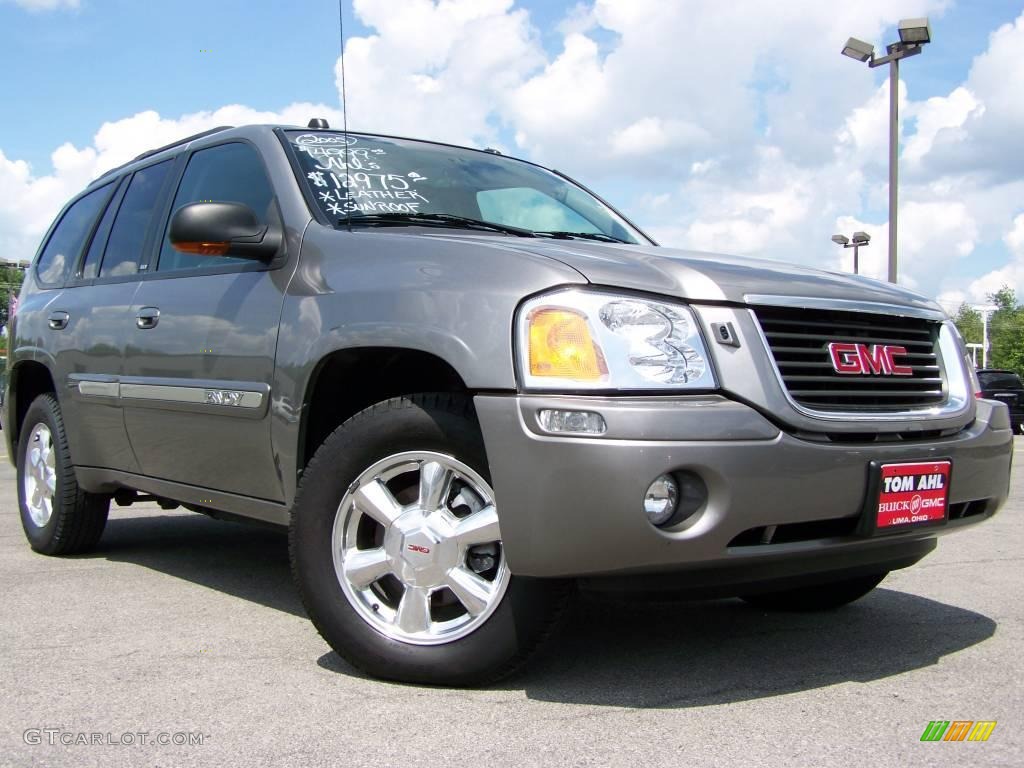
371,178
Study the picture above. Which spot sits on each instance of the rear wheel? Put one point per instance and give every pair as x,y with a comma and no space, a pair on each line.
396,549
817,597
58,517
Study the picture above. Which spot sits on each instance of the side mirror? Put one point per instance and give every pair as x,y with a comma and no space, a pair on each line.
223,229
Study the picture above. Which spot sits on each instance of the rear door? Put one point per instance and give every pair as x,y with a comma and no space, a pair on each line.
88,322
200,357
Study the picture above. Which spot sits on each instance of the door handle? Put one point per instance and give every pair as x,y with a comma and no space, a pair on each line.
59,320
147,318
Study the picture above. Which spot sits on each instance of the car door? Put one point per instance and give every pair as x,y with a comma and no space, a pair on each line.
88,322
200,358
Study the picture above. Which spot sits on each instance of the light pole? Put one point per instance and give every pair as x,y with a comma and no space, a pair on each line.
859,239
914,33
984,310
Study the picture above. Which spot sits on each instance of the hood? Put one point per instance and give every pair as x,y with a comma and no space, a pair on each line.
697,276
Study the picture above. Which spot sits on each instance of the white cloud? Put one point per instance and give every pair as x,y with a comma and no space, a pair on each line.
652,134
944,115
981,122
439,71
933,235
1011,274
29,201
46,5
768,150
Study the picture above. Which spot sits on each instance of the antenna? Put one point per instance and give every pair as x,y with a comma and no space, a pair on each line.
344,106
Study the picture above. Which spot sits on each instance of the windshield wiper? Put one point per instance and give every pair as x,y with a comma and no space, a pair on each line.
600,236
431,219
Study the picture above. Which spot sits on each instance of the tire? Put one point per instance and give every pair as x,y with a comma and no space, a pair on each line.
407,616
817,597
58,517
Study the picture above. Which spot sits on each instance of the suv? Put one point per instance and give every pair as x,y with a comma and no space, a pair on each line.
1006,387
467,384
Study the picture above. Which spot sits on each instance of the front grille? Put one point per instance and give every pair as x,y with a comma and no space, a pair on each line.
833,528
799,339
789,533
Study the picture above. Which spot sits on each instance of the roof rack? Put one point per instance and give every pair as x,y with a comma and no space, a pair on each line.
158,150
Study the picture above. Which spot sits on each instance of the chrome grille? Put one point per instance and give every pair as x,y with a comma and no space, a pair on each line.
798,340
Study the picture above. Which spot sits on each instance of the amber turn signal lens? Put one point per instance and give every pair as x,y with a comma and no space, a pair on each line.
202,249
561,346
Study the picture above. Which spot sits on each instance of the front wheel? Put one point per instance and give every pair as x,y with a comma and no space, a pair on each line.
396,549
817,597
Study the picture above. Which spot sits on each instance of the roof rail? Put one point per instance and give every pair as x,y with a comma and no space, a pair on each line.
151,152
186,140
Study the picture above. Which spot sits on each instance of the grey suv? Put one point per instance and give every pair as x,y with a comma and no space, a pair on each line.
467,385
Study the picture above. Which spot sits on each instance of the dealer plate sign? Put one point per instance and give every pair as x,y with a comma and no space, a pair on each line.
912,494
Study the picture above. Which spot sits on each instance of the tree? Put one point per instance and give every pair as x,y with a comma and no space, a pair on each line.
1006,331
10,284
968,322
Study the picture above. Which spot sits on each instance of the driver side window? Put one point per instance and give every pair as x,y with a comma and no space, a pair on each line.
227,173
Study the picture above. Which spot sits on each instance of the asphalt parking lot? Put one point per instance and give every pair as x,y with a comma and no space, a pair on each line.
185,625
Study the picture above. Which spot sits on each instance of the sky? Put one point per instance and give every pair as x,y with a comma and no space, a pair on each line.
731,127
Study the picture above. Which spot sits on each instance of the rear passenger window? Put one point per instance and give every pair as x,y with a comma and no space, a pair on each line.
91,265
228,173
68,239
128,235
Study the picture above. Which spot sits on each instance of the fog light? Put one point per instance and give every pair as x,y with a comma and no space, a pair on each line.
661,500
673,498
572,422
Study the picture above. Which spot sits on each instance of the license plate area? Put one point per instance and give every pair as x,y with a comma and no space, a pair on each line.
907,495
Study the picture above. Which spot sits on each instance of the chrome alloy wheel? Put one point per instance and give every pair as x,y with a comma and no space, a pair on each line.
39,475
417,549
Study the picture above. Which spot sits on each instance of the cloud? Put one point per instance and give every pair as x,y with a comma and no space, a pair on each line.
1011,274
768,150
437,71
29,201
45,5
976,128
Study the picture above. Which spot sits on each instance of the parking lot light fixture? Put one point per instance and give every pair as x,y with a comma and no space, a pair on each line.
859,238
858,49
914,33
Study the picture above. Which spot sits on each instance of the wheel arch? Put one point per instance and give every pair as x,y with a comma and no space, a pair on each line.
346,381
29,379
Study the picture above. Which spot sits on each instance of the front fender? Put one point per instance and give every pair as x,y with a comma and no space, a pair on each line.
451,297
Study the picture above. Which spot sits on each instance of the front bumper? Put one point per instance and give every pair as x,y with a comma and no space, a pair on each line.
571,506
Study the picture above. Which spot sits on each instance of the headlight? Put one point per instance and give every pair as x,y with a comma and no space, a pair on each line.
576,339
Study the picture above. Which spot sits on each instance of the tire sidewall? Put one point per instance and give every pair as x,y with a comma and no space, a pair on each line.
41,411
347,453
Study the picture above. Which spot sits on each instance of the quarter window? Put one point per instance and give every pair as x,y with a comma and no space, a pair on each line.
227,173
128,235
68,239
91,265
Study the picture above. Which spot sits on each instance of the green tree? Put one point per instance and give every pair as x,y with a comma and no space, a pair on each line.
968,322
1006,331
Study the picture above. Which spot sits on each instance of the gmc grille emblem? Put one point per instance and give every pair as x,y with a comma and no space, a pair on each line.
860,359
